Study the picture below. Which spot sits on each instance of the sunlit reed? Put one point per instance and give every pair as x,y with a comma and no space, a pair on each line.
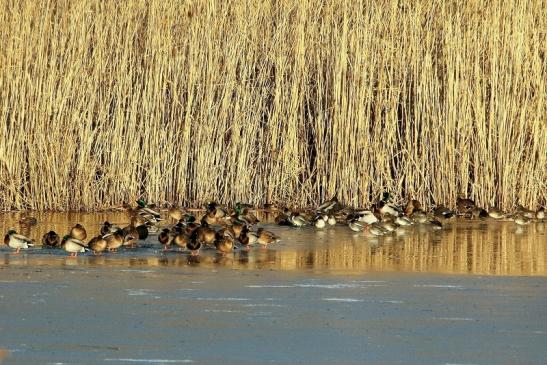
287,101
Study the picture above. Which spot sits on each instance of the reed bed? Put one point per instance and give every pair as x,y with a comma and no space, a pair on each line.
288,101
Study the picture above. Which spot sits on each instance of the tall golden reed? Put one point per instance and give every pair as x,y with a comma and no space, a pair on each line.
104,101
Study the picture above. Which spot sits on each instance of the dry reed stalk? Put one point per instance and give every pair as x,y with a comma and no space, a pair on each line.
271,101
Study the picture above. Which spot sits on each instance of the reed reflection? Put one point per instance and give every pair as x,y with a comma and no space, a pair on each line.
475,247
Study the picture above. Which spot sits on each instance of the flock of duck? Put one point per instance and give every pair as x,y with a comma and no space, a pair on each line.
226,228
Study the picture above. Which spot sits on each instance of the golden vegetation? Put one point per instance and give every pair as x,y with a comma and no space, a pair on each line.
280,101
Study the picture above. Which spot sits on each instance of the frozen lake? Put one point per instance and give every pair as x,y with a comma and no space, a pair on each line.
472,293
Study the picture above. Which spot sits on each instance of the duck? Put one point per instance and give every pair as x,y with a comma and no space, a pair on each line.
403,221
51,240
224,242
530,214
237,228
464,205
107,228
411,206
375,229
443,212
521,219
28,220
205,235
320,221
331,220
114,240
216,210
478,213
436,224
297,220
540,214
147,213
193,245
495,213
181,239
17,241
265,237
330,206
73,245
176,213
243,214
355,225
165,238
419,216
97,244
366,216
131,234
247,238
388,225
282,218
78,232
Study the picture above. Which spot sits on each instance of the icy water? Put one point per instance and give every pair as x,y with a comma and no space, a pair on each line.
472,293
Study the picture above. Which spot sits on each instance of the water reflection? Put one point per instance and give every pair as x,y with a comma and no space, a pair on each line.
480,247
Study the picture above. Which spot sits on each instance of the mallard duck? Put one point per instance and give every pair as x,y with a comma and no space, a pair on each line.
521,219
236,228
384,208
130,236
356,226
204,235
530,214
73,245
242,213
436,224
176,213
540,214
17,241
78,232
165,238
181,239
193,245
148,214
97,244
107,228
297,220
495,213
28,220
443,212
478,213
114,240
464,205
320,221
388,225
190,227
375,229
419,216
282,218
403,221
224,242
266,237
411,206
247,237
51,240
215,210
366,216
329,206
